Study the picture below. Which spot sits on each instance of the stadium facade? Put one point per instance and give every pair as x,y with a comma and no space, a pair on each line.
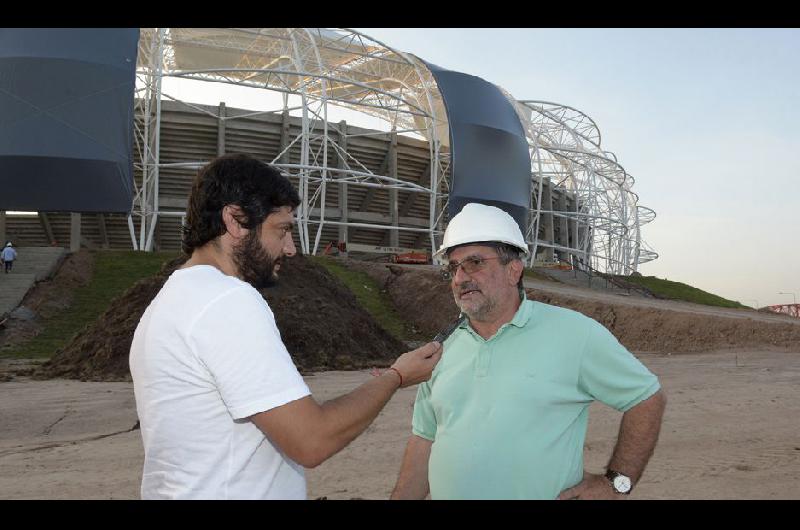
376,190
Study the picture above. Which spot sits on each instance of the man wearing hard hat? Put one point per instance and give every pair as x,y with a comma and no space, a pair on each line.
505,413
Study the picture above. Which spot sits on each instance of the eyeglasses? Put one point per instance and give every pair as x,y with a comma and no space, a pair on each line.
470,265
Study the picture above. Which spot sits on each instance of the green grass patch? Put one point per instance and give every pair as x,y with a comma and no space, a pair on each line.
680,291
369,295
114,273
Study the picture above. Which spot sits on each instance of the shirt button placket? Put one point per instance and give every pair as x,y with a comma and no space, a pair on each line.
484,358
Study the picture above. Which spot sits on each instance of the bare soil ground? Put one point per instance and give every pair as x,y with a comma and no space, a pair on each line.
730,431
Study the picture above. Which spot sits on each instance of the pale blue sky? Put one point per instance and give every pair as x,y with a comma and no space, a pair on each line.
706,121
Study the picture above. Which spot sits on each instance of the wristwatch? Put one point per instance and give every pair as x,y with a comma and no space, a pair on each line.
621,483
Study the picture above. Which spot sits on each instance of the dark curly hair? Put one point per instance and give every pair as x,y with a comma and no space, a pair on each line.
256,187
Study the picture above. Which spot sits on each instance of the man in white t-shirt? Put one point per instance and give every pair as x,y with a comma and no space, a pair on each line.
224,412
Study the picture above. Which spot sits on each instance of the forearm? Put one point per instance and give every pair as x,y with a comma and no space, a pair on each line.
638,434
347,416
310,433
412,482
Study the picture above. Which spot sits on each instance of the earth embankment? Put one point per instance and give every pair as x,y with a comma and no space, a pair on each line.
320,321
641,324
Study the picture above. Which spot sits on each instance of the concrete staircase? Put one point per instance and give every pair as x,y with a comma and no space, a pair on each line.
33,264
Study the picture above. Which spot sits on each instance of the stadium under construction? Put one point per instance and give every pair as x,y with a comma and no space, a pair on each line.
381,189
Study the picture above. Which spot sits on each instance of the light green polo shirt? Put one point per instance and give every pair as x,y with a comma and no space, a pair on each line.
508,416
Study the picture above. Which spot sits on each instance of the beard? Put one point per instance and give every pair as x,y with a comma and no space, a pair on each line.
256,265
479,310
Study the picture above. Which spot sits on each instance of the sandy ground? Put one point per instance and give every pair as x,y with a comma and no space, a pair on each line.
730,432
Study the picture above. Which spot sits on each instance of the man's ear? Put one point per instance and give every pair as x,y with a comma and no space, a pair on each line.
516,271
230,216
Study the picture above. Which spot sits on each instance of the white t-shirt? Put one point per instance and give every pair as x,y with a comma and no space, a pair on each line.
206,355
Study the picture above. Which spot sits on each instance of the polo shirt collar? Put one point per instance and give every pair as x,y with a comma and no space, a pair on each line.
523,314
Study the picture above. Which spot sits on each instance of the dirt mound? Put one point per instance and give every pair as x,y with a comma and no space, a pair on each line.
46,299
425,299
421,296
324,327
100,351
321,323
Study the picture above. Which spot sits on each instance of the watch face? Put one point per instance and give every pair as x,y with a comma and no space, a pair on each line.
622,484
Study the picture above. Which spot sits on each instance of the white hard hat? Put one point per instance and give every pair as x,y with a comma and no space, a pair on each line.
479,222
8,244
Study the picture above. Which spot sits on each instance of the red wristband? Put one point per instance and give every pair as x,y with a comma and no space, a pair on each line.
398,375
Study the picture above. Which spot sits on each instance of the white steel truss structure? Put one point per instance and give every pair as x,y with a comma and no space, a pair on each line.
606,217
345,68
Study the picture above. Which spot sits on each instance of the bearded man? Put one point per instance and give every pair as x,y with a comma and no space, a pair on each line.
224,413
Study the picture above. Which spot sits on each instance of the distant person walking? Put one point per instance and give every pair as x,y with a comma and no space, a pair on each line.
7,256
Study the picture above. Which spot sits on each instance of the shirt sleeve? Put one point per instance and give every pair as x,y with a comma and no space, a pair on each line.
611,374
423,421
237,340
